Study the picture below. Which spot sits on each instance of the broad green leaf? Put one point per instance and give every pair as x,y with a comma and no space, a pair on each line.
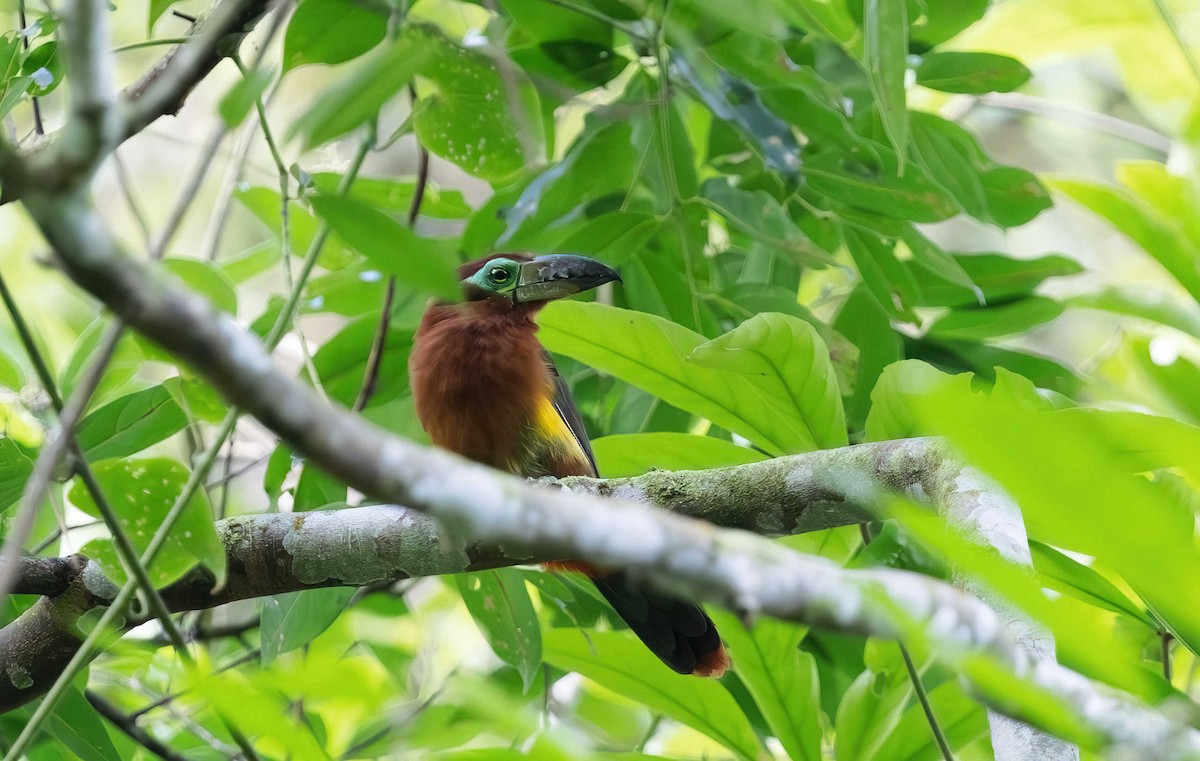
426,264
141,492
1085,583
631,454
1014,195
44,66
1141,442
885,57
960,718
886,278
157,8
942,19
953,159
781,678
331,31
616,660
1000,278
761,215
992,322
242,96
651,353
294,619
265,205
1074,494
736,102
205,279
130,424
16,466
12,375
478,115
499,602
891,416
342,361
788,362
1145,304
396,195
952,71
876,185
357,96
869,712
75,724
1161,237
866,323
197,399
1085,641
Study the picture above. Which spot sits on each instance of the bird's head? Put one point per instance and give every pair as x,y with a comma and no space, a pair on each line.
521,279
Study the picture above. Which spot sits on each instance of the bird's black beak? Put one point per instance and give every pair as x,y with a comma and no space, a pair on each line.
556,275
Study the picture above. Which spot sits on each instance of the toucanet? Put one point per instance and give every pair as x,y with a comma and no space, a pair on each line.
485,388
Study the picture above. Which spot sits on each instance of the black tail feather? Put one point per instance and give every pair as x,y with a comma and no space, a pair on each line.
680,633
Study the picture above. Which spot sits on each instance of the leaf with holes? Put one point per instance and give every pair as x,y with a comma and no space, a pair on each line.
500,605
141,492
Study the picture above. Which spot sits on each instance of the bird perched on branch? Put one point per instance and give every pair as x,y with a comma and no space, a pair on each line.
485,388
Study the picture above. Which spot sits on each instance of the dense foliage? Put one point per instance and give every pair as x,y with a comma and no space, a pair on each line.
796,215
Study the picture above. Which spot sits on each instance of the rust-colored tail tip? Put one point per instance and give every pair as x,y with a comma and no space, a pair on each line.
713,664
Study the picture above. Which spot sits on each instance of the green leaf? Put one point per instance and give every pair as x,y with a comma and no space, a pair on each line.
265,205
736,102
869,712
953,71
12,375
788,362
1000,278
781,678
482,118
650,352
141,492
396,195
1075,494
130,424
617,661
251,262
891,416
426,264
78,728
15,469
961,719
499,602
342,360
44,66
876,185
331,31
157,8
1161,237
887,280
295,619
1085,583
358,95
942,19
1145,304
206,279
885,57
991,322
631,454
241,98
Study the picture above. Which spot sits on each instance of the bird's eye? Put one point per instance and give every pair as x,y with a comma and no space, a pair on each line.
499,275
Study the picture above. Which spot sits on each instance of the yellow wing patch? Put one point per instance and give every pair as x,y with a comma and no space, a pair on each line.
550,440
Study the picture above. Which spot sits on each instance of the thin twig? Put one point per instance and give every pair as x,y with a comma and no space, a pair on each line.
379,342
1166,638
915,677
38,128
128,724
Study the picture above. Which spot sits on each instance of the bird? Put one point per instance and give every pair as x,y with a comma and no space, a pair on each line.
486,389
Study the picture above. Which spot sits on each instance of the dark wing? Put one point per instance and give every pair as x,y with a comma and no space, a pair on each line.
565,406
